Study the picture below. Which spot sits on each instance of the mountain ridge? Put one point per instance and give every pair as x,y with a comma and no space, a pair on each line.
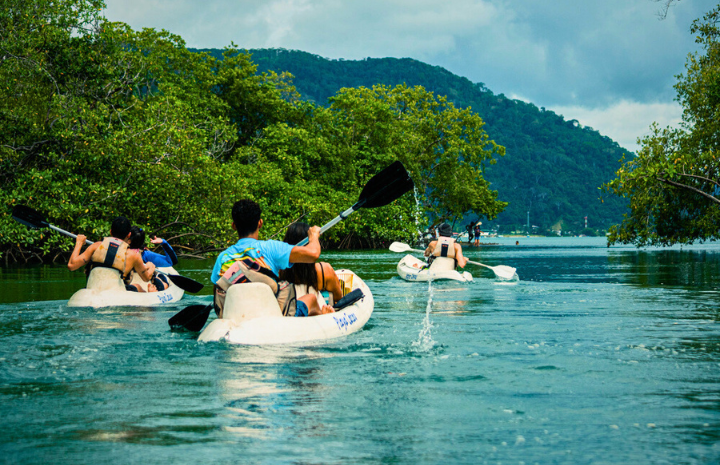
552,168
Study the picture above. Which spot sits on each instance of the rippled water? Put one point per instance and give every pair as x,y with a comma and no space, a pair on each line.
596,355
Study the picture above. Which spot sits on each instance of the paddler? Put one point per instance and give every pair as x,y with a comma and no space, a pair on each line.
446,247
253,260
112,252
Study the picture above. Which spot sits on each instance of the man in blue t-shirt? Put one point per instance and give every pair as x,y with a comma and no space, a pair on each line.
275,255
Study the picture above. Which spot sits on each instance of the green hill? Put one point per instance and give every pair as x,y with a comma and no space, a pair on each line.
552,169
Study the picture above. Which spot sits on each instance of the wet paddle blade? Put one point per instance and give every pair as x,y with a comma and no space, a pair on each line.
192,318
504,271
386,186
31,218
399,247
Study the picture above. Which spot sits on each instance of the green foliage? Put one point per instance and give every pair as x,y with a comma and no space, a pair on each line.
99,120
673,183
552,167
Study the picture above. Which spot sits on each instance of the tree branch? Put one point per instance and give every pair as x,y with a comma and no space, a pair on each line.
701,178
690,188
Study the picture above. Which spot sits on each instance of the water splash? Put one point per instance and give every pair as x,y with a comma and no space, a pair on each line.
417,213
425,341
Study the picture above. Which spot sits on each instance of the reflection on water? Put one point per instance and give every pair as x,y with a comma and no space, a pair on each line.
596,355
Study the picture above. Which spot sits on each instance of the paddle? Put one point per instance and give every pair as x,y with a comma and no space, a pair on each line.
192,318
501,271
35,220
386,186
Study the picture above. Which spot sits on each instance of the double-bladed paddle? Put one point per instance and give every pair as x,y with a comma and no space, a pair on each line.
501,271
386,186
35,220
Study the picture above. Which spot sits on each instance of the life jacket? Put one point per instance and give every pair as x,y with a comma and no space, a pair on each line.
443,256
244,268
445,247
112,253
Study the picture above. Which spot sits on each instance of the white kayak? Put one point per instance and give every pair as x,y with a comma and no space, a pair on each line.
411,268
105,288
252,316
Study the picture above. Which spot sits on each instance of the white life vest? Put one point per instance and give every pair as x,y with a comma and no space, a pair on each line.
112,253
444,255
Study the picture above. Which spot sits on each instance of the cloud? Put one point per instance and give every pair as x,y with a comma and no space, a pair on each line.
593,57
624,121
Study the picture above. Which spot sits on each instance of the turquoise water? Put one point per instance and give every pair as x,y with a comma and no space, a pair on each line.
597,355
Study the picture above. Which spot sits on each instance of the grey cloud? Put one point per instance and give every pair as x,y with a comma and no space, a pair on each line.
564,52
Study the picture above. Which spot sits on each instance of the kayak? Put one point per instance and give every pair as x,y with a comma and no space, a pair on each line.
105,288
252,316
411,268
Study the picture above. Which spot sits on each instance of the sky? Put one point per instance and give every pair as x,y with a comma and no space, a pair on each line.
610,64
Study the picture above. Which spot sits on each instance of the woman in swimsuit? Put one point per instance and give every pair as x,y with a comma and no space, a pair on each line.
137,245
311,278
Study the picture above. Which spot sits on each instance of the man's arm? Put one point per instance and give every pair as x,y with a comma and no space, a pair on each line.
430,248
145,270
78,259
307,253
461,260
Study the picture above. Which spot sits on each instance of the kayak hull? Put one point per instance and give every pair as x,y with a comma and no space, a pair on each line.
105,288
252,317
411,268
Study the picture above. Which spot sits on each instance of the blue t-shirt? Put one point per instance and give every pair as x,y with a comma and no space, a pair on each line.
275,253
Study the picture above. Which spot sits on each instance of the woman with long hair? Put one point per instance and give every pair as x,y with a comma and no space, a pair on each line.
137,245
311,278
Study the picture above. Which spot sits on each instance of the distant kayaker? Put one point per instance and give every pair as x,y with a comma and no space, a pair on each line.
477,233
446,247
112,252
253,260
319,276
469,229
137,245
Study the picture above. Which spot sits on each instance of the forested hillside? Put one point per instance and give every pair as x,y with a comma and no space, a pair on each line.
99,120
552,167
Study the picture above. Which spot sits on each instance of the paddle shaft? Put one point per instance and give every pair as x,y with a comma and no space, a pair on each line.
481,264
334,221
67,233
469,261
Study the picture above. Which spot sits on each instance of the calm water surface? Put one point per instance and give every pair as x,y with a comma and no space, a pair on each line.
596,355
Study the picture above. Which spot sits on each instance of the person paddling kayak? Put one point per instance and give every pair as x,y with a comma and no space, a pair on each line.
253,260
137,245
443,249
111,252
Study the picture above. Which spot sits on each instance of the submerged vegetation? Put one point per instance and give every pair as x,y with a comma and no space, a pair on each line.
99,120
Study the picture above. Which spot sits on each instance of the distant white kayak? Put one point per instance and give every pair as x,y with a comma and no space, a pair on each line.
105,288
411,268
252,316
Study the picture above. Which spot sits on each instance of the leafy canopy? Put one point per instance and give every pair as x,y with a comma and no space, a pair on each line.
674,182
98,120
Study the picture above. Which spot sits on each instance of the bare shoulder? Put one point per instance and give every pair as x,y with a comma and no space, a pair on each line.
325,267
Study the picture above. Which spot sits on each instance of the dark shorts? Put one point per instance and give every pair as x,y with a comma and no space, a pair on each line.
301,309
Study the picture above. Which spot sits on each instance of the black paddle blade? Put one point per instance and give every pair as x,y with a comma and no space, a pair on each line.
186,284
386,186
192,318
33,219
349,299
